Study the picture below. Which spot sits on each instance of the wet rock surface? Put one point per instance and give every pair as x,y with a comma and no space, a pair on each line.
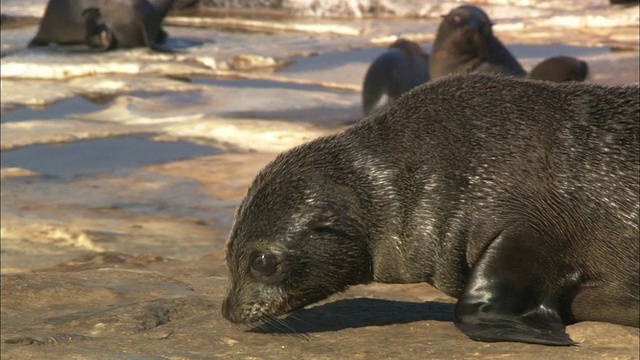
121,172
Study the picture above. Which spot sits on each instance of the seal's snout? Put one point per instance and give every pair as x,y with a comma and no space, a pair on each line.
226,311
229,311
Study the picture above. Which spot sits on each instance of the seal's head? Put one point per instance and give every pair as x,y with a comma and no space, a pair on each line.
465,30
297,237
407,46
559,69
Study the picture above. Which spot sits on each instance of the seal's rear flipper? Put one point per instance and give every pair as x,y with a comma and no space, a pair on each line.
512,293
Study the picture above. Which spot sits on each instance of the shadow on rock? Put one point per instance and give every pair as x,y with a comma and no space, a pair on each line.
357,313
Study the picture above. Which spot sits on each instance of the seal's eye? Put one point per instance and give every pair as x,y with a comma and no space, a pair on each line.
264,264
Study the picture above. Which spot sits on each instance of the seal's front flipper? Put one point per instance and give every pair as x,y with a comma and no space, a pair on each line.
161,48
162,37
147,28
512,293
493,327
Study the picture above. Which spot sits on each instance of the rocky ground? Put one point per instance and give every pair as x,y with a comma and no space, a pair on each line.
121,173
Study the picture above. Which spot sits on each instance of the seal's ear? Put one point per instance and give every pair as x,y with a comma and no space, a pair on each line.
339,246
344,227
320,225
327,226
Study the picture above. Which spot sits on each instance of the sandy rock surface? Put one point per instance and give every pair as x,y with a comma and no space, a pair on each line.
121,173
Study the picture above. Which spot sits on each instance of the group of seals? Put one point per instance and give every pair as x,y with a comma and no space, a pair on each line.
517,197
401,68
104,24
464,43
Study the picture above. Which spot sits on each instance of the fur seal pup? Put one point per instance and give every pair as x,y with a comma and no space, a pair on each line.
465,43
401,68
559,69
517,197
103,24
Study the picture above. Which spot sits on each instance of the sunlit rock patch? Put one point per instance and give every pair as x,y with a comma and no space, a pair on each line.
122,171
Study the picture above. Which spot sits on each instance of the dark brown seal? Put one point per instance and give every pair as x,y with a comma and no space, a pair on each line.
519,198
559,69
465,43
401,68
103,24
624,2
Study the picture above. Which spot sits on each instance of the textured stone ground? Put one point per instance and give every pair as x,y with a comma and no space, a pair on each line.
118,197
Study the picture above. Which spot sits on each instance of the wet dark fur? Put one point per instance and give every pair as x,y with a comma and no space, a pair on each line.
559,69
624,2
519,198
103,24
465,43
400,69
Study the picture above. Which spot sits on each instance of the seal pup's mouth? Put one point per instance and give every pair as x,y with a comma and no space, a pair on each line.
265,306
285,323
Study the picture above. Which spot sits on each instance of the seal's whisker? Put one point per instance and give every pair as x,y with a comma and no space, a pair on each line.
277,325
286,326
293,331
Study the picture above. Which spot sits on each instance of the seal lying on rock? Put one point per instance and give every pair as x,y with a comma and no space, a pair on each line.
401,68
465,43
103,24
559,69
519,198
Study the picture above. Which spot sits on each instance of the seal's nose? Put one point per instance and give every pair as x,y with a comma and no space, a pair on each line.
227,312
